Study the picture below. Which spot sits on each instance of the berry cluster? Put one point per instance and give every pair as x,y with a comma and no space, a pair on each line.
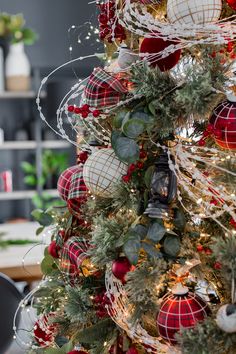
210,131
108,23
100,301
202,249
82,157
134,167
84,111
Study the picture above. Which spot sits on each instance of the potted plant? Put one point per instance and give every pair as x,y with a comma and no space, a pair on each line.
14,34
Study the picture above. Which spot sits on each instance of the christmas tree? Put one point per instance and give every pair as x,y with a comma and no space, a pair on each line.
143,255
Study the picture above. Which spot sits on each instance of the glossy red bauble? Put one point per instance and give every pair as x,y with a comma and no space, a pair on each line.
132,350
120,268
53,249
232,4
154,46
77,352
223,120
180,311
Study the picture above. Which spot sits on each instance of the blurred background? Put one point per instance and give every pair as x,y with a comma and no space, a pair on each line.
36,36
31,157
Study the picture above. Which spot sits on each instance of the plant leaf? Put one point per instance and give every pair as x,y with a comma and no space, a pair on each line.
156,232
133,128
151,250
127,150
172,245
132,247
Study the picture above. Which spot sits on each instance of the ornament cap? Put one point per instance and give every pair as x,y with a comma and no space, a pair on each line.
179,289
231,97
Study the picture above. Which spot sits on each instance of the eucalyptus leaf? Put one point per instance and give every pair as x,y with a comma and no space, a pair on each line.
132,247
156,232
179,219
141,230
39,230
114,136
172,245
127,150
142,116
133,128
47,265
118,119
151,250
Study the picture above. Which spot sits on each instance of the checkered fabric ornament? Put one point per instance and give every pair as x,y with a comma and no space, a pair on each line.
73,255
223,120
63,184
180,309
103,90
193,11
102,172
77,192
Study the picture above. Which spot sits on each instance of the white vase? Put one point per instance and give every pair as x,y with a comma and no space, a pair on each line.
17,69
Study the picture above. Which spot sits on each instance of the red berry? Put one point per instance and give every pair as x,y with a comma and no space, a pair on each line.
217,265
208,251
214,201
205,134
140,165
53,249
84,114
201,142
101,313
103,19
131,168
142,154
218,133
71,108
126,178
78,110
210,128
200,248
213,54
233,222
83,156
96,113
85,107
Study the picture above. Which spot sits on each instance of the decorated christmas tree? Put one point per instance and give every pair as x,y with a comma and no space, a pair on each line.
143,256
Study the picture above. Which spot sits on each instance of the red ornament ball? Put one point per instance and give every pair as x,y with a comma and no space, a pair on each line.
120,268
223,120
53,249
63,184
232,4
180,311
132,350
156,45
77,352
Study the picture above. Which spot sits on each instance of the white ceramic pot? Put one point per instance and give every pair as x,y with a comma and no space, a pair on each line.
17,69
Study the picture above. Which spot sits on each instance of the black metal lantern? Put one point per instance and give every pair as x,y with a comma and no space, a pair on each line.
163,189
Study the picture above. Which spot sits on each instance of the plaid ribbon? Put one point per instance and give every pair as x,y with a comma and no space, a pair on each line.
72,256
103,89
77,192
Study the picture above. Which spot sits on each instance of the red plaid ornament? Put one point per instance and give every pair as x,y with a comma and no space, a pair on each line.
63,184
179,311
223,121
103,89
73,254
77,192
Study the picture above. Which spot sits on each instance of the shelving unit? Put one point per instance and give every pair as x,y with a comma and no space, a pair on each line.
26,194
37,145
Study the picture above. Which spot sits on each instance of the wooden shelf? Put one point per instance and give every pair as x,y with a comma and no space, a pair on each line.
32,144
27,194
20,94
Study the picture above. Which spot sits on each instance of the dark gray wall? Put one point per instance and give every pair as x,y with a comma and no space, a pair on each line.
51,19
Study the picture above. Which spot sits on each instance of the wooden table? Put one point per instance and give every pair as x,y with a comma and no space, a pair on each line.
22,263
